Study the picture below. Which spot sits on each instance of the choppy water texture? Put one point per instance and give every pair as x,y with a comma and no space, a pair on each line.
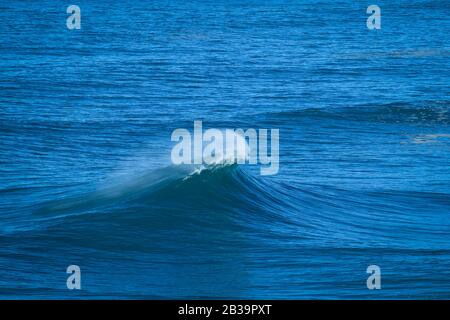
85,124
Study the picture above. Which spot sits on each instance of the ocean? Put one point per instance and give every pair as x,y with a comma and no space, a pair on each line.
86,178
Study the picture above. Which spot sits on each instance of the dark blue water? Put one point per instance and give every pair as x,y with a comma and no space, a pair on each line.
85,175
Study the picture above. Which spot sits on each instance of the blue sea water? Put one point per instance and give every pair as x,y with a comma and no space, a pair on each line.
86,118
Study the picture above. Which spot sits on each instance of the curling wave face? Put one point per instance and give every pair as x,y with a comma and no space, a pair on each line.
206,195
